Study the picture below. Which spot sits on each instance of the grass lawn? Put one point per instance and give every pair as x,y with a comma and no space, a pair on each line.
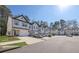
6,38
21,44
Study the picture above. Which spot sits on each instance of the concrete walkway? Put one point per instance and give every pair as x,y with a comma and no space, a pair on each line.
30,40
11,42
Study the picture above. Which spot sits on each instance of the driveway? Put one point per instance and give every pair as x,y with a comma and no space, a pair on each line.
30,40
57,44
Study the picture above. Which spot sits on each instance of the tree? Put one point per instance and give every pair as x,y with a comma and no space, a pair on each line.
41,22
72,24
75,27
62,24
51,25
45,24
62,27
2,26
4,13
75,24
56,25
51,28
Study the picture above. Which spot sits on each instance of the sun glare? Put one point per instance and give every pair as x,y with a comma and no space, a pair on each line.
63,7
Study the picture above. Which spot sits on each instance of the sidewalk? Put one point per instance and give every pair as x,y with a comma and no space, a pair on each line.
28,40
11,42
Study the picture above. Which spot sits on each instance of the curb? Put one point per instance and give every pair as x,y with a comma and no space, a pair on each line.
8,49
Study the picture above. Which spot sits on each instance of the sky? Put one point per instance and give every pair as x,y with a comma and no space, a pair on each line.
49,13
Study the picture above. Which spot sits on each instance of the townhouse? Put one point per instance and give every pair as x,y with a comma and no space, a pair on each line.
18,26
72,31
37,29
34,28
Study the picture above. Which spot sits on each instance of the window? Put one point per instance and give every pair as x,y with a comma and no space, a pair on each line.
24,24
33,27
16,22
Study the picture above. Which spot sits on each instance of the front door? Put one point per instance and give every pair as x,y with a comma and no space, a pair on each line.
16,32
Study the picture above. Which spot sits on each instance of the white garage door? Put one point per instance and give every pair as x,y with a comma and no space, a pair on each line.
24,33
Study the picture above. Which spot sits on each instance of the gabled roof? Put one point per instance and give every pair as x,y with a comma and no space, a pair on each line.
25,17
34,23
40,25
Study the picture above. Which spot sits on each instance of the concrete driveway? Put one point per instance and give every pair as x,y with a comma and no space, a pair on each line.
30,40
57,44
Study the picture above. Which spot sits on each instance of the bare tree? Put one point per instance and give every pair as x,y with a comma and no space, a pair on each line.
56,25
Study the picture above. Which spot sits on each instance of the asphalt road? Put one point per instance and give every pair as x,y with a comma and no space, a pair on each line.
59,44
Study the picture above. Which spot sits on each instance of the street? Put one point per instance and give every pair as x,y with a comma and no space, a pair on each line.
56,44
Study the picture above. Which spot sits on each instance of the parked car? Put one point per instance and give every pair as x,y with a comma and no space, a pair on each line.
37,36
49,35
69,35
